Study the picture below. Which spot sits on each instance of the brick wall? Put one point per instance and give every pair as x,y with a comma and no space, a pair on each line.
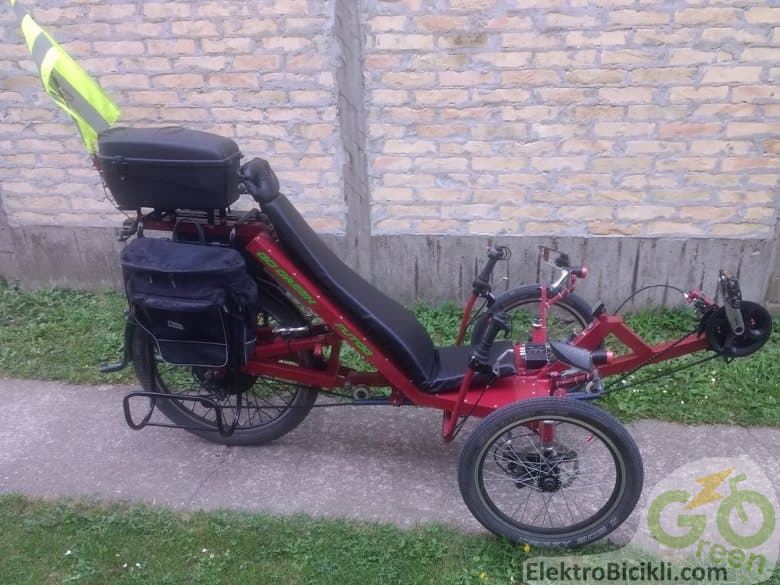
609,117
260,72
581,118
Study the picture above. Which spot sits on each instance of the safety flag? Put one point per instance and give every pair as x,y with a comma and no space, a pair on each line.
66,82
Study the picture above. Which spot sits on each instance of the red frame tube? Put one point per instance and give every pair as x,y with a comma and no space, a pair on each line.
642,352
539,331
263,247
464,322
339,327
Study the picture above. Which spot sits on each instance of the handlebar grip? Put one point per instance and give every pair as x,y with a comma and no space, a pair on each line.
481,284
562,261
498,252
481,354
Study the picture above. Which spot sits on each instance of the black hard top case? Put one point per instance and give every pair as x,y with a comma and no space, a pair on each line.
169,168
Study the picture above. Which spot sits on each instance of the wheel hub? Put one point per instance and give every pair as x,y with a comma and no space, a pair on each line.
549,473
223,382
550,482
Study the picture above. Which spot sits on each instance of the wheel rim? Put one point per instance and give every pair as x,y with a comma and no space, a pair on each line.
559,492
252,402
261,403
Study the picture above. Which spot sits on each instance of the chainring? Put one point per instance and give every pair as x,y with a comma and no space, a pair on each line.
758,328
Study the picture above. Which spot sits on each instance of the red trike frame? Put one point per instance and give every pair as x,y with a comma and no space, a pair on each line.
337,328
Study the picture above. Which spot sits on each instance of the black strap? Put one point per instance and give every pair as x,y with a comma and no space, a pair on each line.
198,229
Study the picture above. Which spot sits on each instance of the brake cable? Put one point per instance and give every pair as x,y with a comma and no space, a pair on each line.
648,287
466,416
477,313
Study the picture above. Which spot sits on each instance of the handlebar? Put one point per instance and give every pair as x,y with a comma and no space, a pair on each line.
480,358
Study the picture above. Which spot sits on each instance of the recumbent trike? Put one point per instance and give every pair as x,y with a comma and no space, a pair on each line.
237,324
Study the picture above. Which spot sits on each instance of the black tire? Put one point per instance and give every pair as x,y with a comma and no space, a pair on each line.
284,417
561,465
571,314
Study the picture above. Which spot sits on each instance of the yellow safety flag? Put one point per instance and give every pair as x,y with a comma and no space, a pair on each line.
66,82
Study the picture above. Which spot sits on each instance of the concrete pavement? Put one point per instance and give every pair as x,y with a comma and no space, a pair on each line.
376,463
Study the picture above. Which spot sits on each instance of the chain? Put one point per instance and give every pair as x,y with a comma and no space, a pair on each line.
668,372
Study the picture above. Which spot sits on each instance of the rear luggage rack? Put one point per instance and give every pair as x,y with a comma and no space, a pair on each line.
153,397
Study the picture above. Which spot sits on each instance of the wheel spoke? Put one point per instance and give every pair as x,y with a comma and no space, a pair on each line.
255,403
567,483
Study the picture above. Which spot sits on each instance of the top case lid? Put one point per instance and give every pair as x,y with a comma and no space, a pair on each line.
158,255
172,143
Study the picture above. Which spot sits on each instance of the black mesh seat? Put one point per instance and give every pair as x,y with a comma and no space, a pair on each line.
385,321
452,362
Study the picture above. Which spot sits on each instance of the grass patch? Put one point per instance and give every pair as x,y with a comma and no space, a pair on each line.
106,542
745,391
55,334
64,335
90,544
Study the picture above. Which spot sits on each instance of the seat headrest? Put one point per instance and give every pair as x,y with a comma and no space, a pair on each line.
260,180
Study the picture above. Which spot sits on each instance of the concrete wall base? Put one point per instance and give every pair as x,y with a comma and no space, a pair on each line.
438,268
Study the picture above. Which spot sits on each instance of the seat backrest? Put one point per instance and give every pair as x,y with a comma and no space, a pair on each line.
385,321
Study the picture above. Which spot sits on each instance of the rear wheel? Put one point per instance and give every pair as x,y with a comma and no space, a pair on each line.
550,472
265,408
569,315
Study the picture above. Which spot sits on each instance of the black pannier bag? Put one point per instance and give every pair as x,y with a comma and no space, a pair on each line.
196,301
169,168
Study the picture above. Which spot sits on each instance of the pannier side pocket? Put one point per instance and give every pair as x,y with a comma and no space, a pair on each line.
187,332
197,301
243,326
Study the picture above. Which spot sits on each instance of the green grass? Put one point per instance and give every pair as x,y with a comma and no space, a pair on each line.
65,335
89,544
106,542
55,334
745,391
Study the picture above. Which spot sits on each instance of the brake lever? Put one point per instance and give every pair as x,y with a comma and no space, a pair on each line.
481,284
563,261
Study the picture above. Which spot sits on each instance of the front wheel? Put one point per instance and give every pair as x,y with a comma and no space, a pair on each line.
568,316
550,472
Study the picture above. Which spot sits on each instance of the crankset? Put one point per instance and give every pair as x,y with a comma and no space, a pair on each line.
721,334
